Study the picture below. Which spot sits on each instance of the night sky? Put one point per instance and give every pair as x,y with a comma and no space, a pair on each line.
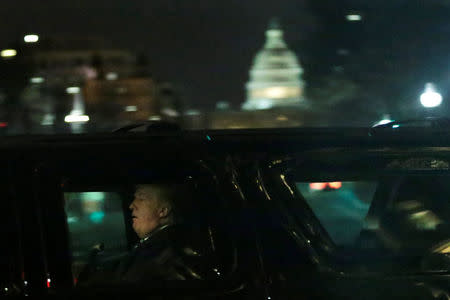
206,47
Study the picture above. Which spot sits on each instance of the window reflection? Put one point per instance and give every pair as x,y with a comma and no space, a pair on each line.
93,218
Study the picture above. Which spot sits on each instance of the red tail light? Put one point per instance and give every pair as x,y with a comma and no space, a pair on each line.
317,185
335,185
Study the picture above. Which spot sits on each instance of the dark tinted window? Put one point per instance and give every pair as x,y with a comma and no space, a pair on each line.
403,219
93,218
341,207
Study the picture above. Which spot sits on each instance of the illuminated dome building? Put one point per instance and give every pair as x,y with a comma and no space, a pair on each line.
275,77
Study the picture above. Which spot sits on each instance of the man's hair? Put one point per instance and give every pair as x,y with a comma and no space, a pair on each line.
165,194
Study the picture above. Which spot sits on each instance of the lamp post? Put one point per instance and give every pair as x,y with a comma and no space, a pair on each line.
76,118
430,97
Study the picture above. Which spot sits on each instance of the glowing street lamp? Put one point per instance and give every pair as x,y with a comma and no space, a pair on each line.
37,80
76,118
6,53
31,38
353,17
73,90
430,97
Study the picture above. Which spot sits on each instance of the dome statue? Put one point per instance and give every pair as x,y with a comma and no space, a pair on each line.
275,77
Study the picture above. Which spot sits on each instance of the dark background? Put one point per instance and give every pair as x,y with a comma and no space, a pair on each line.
207,47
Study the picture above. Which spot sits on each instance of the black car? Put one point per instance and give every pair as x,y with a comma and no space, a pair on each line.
260,230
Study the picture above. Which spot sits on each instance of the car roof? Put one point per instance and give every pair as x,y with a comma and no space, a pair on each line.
281,140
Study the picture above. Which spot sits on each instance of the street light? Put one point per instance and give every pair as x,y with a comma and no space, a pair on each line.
31,38
8,53
130,108
76,118
37,80
112,76
430,97
354,17
72,90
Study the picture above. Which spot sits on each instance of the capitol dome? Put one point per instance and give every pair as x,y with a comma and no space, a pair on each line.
275,77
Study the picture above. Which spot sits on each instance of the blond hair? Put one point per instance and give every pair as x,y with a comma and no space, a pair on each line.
164,194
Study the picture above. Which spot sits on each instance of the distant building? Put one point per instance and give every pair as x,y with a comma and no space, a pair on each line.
110,84
275,77
72,66
115,103
274,92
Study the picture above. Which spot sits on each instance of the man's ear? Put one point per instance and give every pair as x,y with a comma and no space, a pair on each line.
163,212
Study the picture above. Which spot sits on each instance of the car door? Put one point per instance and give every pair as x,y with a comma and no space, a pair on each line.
341,228
84,201
15,227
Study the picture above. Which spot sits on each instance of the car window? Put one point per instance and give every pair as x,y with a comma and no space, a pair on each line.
403,217
341,207
417,216
102,237
94,218
85,205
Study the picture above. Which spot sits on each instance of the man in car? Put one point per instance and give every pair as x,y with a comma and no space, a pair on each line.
159,254
154,256
151,209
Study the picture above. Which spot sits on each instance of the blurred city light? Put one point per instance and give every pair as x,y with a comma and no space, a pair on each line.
353,17
97,217
48,119
71,220
154,118
112,76
73,90
31,38
76,119
276,92
443,248
192,112
335,185
385,120
37,80
222,105
93,197
317,185
382,122
170,112
264,104
430,97
131,108
8,53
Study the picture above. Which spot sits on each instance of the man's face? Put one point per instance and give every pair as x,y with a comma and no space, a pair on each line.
145,212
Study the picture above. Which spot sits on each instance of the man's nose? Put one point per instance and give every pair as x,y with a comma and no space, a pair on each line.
131,207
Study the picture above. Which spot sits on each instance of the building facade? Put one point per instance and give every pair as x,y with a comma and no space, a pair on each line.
106,86
275,76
